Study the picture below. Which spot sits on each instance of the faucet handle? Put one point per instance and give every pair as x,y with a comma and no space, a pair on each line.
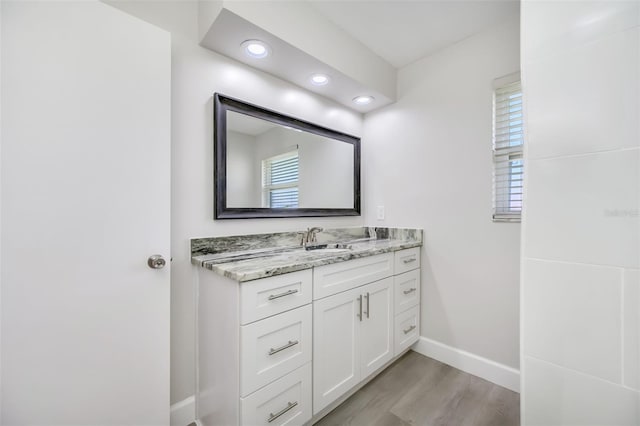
303,237
312,233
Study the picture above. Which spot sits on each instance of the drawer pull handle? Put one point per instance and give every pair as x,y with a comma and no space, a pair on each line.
411,290
408,330
289,406
368,308
286,293
282,348
413,259
359,314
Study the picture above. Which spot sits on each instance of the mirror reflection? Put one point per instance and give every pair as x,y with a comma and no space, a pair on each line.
268,165
276,166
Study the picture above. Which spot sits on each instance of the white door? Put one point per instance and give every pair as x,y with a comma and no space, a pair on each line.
376,335
85,201
336,352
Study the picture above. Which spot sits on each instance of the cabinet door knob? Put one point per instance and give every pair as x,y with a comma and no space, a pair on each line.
156,261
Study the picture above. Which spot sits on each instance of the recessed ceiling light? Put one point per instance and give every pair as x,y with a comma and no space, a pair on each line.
255,48
363,100
319,79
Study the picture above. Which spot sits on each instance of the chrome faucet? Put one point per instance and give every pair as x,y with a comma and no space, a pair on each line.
309,236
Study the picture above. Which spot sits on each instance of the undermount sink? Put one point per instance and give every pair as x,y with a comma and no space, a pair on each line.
329,248
334,250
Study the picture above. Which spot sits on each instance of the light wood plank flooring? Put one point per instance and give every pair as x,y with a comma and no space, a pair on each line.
417,390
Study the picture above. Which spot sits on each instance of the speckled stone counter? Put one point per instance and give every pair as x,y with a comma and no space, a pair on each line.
250,257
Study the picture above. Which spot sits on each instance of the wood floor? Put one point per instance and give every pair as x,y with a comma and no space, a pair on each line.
417,390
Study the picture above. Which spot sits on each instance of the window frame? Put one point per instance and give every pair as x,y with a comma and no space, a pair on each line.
505,194
268,187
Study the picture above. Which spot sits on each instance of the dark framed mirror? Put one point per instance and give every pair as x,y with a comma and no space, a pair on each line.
268,164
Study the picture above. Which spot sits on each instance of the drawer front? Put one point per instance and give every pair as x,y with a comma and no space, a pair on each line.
407,329
269,296
287,401
338,277
273,347
407,260
407,290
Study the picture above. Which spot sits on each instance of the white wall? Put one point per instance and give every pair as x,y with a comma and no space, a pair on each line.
326,173
428,160
196,74
581,229
243,177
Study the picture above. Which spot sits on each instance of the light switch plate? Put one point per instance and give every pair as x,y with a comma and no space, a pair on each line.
380,212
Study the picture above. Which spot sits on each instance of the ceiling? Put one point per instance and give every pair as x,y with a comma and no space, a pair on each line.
402,32
358,44
229,30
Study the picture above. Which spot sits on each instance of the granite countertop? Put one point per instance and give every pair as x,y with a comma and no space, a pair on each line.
246,258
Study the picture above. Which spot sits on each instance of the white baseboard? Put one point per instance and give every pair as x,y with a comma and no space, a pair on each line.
492,371
183,412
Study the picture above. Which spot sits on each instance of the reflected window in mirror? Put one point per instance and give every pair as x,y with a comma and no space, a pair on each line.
280,181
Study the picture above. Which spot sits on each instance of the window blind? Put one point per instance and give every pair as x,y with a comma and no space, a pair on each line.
508,141
280,181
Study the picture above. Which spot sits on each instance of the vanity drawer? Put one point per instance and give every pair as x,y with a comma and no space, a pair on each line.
407,329
339,277
407,290
287,401
269,296
407,260
273,347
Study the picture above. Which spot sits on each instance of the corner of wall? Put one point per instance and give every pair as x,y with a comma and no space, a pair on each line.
494,372
208,11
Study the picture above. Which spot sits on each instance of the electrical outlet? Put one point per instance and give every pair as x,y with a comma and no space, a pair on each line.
380,212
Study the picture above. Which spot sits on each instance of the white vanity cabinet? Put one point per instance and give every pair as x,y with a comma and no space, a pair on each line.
353,337
254,350
407,299
376,337
336,345
280,350
355,319
336,277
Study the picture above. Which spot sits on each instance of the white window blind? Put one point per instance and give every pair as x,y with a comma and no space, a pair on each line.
508,140
280,181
